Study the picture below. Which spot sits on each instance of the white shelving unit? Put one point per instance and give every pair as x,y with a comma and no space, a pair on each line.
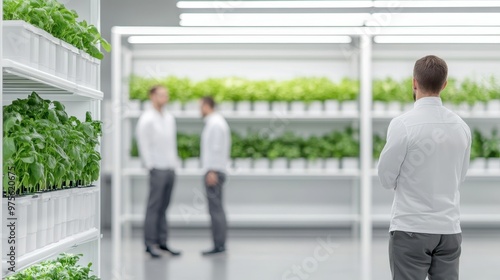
19,79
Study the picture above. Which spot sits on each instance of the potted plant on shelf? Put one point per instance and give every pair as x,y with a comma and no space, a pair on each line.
492,151
312,150
477,162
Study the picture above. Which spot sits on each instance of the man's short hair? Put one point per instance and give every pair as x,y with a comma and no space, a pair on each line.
431,73
209,100
154,88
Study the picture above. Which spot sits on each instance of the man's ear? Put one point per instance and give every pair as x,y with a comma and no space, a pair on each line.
414,83
444,85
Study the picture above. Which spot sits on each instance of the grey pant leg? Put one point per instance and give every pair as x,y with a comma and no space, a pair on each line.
446,258
216,210
162,219
410,254
157,183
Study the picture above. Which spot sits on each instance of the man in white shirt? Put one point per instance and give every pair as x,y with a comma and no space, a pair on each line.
157,142
425,160
215,154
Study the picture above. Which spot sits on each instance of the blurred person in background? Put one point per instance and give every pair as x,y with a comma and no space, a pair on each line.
215,154
425,160
157,142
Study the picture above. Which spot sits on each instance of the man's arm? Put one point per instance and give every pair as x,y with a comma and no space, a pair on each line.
143,134
393,154
465,165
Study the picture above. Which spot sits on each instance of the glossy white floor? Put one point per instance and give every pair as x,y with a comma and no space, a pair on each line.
272,255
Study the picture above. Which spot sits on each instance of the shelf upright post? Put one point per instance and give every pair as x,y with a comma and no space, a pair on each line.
116,80
1,121
366,153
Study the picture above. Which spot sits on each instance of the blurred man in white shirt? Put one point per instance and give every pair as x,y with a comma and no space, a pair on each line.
157,142
425,161
215,154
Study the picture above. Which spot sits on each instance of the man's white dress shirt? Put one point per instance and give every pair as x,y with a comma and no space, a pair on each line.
157,140
215,143
425,160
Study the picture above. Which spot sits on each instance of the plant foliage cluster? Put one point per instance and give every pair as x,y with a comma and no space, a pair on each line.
56,19
45,149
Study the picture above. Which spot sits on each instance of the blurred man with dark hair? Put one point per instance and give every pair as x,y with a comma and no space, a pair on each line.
157,142
215,154
425,161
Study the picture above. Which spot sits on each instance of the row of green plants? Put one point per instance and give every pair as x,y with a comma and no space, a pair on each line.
45,149
56,19
337,144
482,146
309,89
64,267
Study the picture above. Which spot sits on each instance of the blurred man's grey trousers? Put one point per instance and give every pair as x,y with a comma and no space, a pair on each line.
216,210
414,256
161,183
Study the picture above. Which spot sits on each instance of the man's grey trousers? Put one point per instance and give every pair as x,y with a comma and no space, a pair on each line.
161,183
216,210
414,256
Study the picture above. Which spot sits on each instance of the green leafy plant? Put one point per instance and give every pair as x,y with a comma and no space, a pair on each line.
65,267
48,149
57,20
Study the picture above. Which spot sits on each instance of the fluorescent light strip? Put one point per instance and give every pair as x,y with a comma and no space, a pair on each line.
239,39
437,39
435,4
434,19
273,19
272,4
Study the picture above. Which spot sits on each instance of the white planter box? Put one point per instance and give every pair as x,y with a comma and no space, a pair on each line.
81,68
298,164
379,107
62,60
494,106
350,163
47,51
279,107
297,107
350,106
146,105
21,230
279,164
226,107
17,38
243,107
243,163
174,106
134,105
478,108
478,164
261,107
73,55
315,108
315,164
134,162
394,107
93,72
494,164
332,164
192,107
192,163
31,244
332,106
261,164
462,108
42,217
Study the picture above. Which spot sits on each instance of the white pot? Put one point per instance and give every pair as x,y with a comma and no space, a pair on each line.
63,208
478,108
394,107
315,164
494,106
279,164
191,107
298,164
350,163
192,163
332,164
70,209
134,162
243,107
226,107
20,232
174,106
463,108
42,214
261,164
93,208
332,106
315,108
478,164
243,163
494,164
261,107
146,105
297,107
31,242
379,107
279,107
133,105
349,106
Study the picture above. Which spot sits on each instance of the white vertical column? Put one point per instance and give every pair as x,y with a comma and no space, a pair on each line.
366,154
117,157
1,131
